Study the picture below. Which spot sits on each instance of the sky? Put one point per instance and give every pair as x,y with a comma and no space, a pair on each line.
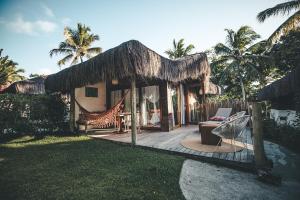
29,29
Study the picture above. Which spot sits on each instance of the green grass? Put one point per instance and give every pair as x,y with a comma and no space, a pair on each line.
77,167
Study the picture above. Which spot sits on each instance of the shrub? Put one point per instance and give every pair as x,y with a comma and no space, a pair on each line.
285,135
32,114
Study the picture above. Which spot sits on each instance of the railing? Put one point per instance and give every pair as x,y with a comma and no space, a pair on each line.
201,112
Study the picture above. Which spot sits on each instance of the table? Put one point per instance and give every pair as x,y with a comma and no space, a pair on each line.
122,122
206,136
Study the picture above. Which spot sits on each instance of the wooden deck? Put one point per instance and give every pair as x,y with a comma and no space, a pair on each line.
170,142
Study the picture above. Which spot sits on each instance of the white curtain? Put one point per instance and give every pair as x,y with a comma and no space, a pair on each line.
171,92
151,94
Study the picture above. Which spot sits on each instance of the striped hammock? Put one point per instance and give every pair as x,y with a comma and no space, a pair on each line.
101,119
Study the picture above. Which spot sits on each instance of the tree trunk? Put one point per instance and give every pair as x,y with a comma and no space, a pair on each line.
259,152
133,111
243,89
204,99
72,110
297,96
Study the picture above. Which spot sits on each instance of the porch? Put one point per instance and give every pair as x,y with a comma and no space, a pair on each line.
170,142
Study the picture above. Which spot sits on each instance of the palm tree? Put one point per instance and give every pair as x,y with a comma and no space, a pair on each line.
283,8
238,57
179,50
8,71
77,45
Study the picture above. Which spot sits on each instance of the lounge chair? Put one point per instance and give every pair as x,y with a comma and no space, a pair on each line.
221,115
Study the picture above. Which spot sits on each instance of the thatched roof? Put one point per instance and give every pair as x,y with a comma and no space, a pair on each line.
283,87
212,88
124,61
29,86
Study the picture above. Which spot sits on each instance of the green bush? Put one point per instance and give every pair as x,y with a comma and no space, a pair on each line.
285,135
32,114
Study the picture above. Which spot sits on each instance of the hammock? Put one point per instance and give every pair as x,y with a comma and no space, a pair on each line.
100,119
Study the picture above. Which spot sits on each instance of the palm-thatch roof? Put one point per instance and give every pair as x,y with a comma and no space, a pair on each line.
29,86
129,59
211,89
285,86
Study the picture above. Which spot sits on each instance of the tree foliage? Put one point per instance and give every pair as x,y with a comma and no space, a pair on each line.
32,113
8,71
292,23
77,45
286,53
179,50
239,62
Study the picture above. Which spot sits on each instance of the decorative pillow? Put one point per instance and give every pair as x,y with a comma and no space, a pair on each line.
217,118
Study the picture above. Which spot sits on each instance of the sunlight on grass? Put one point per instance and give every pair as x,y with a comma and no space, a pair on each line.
81,168
32,140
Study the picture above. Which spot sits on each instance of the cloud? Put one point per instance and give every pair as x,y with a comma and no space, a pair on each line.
19,25
47,11
46,26
45,71
66,21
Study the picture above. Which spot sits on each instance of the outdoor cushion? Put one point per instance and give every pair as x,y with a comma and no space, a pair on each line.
217,118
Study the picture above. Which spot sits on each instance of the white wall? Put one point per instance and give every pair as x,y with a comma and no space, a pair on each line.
290,116
91,104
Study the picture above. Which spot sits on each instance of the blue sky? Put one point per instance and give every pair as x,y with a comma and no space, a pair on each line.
29,29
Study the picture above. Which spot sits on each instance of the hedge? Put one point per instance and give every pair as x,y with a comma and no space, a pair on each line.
284,135
30,114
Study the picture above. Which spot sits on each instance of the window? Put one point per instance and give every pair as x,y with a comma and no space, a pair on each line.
91,92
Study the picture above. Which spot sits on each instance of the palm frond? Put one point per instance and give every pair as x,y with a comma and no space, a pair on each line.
282,8
290,24
188,49
65,60
258,48
245,36
230,38
59,51
170,53
93,51
222,49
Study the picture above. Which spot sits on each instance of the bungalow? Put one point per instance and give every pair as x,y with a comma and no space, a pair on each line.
284,95
29,86
162,86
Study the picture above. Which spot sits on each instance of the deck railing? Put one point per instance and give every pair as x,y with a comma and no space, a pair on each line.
201,112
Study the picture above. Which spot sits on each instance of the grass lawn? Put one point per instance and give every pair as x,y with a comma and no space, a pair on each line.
77,167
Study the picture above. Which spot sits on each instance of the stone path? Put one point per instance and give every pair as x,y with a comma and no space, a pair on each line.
200,180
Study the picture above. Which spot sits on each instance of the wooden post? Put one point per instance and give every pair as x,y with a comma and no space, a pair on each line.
163,97
204,98
108,94
72,110
133,111
259,152
140,108
187,105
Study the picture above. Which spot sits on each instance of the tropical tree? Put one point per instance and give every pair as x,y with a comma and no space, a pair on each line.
179,50
284,9
8,71
285,53
77,45
239,58
35,75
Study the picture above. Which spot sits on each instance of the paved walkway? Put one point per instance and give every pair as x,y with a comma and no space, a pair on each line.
170,141
200,180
